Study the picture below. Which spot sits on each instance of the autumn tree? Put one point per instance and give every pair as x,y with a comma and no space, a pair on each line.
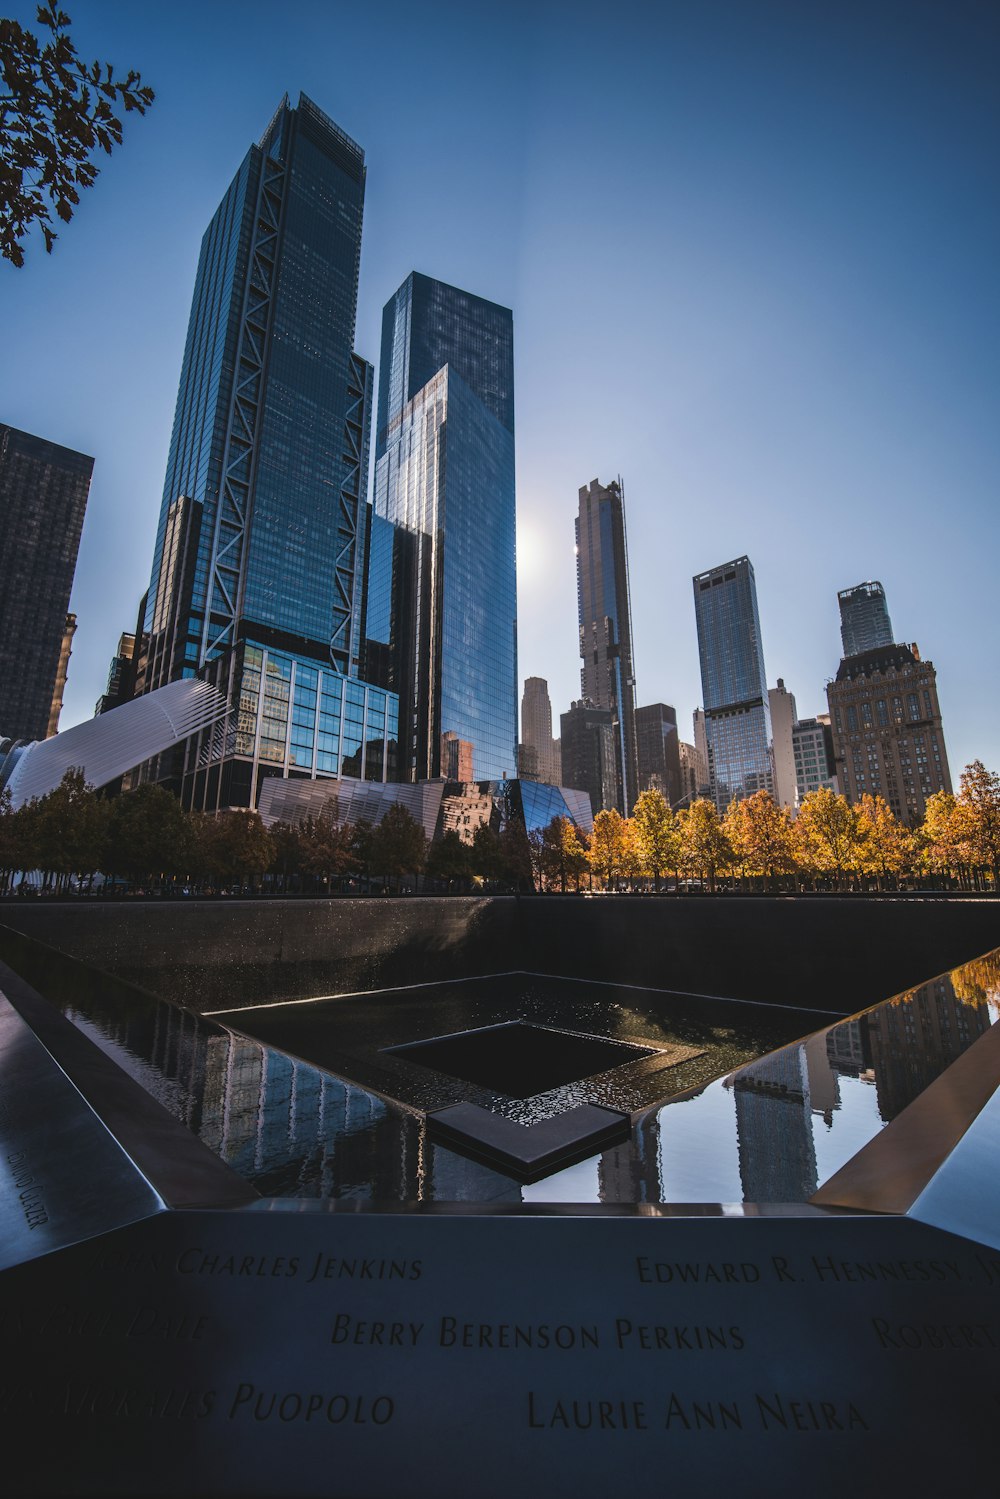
827,834
56,112
760,835
978,807
657,835
941,836
887,848
704,846
607,846
562,856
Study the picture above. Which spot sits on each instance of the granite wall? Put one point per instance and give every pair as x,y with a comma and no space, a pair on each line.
838,953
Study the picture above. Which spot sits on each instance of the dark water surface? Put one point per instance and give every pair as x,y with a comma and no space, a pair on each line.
731,1101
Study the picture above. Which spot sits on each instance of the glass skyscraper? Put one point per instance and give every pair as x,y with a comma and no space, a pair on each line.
442,611
864,618
734,685
257,579
607,675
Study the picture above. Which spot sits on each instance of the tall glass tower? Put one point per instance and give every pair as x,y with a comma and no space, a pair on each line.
444,481
256,580
607,675
864,618
737,713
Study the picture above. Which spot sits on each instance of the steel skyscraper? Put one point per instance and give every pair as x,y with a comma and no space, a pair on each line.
607,675
737,713
864,618
443,596
256,580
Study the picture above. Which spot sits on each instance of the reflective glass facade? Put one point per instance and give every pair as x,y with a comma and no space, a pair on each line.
444,479
260,543
864,618
734,685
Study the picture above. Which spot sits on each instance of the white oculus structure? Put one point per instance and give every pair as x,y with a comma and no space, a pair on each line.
106,747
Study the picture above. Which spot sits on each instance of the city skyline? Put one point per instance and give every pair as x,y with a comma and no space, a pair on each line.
822,396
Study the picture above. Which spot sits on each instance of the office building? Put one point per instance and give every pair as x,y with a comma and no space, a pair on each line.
782,706
590,741
121,675
607,675
864,618
257,580
887,734
734,686
538,758
658,751
442,611
812,748
694,774
43,496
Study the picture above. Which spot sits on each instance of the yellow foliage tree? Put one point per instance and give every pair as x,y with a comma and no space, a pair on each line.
941,836
760,835
887,848
704,846
978,808
657,835
827,834
608,847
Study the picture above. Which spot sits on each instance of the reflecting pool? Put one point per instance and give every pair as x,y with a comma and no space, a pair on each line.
730,1101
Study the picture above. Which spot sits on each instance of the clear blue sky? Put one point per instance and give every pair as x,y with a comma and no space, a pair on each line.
751,247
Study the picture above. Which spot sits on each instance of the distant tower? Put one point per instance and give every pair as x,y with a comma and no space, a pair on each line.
658,750
734,685
43,496
607,677
590,754
782,705
444,479
864,618
538,751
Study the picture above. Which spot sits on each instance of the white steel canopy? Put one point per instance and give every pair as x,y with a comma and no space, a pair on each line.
107,746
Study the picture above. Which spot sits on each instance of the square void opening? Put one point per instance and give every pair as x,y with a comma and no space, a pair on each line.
519,1059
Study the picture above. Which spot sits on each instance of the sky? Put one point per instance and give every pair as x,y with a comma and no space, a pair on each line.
751,247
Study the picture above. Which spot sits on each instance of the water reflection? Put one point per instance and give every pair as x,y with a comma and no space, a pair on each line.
771,1130
800,1113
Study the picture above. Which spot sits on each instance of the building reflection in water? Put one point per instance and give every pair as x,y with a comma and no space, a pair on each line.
783,1101
789,1118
